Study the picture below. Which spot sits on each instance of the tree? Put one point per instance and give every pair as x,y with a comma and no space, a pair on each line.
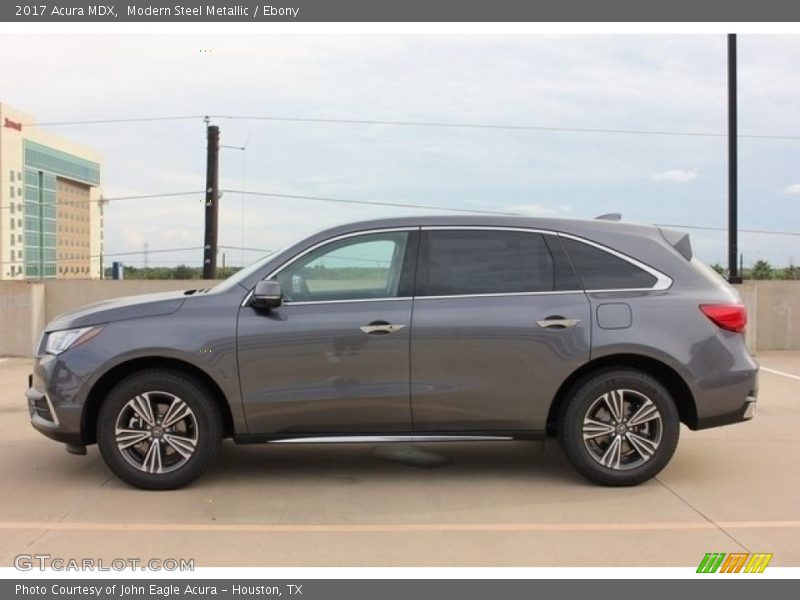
790,272
761,270
184,272
718,268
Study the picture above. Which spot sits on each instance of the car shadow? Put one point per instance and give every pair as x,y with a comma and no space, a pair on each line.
356,463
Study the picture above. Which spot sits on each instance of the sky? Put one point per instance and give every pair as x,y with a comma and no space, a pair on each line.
674,83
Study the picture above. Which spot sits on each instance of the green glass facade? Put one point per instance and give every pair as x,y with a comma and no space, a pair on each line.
50,160
42,166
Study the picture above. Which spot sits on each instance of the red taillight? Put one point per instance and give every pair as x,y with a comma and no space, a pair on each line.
732,317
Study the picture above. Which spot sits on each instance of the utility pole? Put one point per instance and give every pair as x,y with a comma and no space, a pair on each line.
734,274
146,255
212,203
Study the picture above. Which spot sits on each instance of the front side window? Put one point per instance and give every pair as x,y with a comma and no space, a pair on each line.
468,262
355,268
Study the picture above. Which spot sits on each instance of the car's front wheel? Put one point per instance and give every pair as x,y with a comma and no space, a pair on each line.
159,429
619,427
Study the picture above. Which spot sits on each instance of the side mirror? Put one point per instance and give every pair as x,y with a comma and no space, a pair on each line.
267,295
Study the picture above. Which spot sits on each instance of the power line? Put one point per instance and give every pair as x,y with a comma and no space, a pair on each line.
372,203
506,127
291,197
104,200
709,228
245,248
186,249
266,251
160,251
369,202
115,120
145,196
450,125
269,251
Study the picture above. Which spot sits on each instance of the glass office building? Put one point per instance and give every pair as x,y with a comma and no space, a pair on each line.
51,221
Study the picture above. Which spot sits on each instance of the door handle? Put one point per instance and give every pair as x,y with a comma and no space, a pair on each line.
557,322
380,328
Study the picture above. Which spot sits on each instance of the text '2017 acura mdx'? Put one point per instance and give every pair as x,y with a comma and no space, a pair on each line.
605,335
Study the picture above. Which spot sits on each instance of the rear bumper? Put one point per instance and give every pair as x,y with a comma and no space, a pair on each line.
744,412
723,378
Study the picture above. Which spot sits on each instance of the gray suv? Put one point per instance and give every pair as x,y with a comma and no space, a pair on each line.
605,335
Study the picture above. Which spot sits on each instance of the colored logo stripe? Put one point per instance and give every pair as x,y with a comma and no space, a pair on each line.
758,563
735,561
711,562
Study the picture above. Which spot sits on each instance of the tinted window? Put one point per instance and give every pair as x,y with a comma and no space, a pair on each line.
565,278
484,262
599,270
362,267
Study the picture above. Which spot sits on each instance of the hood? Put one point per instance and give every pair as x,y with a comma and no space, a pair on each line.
119,309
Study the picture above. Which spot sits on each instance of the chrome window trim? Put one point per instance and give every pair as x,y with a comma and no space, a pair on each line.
351,301
499,294
487,228
663,282
343,236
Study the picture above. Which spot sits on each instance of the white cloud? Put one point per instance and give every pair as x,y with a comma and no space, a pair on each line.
793,189
675,176
670,83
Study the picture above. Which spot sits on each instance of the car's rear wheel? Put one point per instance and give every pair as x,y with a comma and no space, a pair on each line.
619,427
159,429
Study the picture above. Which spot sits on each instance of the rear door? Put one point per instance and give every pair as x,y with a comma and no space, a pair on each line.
499,323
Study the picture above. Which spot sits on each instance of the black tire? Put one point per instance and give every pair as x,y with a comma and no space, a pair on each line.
604,459
166,457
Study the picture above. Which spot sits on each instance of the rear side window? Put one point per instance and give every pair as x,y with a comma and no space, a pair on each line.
600,270
460,262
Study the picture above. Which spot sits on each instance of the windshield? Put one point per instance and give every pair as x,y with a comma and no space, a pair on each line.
242,274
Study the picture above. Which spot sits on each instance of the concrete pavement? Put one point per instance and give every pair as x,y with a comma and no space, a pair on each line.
733,489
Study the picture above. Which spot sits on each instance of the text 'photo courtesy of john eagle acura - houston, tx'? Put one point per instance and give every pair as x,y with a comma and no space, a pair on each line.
603,334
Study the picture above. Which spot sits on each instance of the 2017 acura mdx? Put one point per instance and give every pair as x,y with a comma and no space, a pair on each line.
606,335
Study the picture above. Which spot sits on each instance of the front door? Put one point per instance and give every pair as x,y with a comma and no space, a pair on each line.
499,322
334,357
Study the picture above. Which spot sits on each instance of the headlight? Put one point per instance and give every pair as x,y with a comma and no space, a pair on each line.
60,341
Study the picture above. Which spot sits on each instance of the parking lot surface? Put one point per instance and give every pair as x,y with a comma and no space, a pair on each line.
732,489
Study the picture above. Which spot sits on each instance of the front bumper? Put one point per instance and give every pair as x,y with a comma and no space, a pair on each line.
55,401
46,421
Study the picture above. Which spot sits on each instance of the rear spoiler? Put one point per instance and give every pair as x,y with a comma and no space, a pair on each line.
678,240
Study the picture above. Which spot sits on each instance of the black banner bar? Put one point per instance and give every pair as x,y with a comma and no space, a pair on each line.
388,589
402,11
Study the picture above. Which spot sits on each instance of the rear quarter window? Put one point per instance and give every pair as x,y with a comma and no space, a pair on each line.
600,270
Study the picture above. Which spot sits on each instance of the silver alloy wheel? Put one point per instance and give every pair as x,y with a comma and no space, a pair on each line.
156,432
622,429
